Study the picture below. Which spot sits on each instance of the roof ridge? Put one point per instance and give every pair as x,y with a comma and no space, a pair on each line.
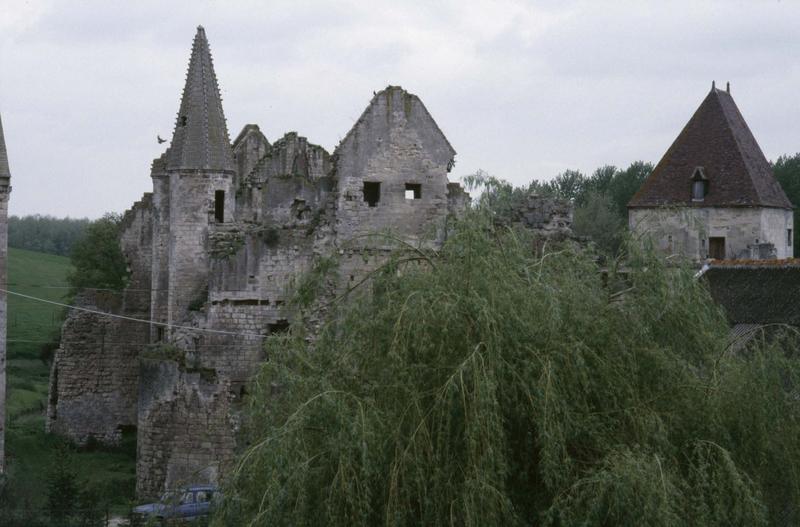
736,139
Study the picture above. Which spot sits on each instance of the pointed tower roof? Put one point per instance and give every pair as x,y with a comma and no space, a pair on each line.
200,140
718,142
5,172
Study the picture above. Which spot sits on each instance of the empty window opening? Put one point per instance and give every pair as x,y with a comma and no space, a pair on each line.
160,334
789,237
413,191
372,192
699,190
699,184
183,120
219,206
277,327
716,248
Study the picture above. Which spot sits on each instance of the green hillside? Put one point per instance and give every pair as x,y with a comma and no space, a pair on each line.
31,325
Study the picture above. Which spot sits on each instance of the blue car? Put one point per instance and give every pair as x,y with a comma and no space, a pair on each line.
188,504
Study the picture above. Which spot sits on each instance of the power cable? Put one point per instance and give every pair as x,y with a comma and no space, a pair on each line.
132,319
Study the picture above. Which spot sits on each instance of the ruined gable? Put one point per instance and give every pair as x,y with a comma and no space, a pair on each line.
391,169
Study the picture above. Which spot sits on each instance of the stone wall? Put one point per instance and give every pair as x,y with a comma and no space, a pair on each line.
191,211
186,432
548,217
685,231
94,375
391,170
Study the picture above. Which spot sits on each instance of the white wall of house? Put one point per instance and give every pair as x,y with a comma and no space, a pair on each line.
686,231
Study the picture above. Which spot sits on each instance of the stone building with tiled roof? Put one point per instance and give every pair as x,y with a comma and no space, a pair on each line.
713,194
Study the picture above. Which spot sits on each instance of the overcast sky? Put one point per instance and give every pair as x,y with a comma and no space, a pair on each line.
522,89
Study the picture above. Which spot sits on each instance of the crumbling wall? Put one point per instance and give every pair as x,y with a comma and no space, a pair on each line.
186,435
159,277
547,216
248,148
94,375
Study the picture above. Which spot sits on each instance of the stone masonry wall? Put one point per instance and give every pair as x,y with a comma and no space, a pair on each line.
186,433
396,145
685,231
94,375
191,212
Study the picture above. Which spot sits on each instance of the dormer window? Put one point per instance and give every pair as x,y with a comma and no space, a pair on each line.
699,184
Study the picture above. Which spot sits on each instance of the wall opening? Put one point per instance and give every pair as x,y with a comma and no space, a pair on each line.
699,184
699,190
372,192
789,237
183,120
159,333
278,327
413,191
219,206
716,248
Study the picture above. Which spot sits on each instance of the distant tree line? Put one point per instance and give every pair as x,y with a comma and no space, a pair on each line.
45,234
600,199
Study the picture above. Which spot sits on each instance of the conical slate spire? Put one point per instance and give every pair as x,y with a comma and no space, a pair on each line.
201,138
5,172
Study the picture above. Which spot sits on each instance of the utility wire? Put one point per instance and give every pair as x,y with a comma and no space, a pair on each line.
133,319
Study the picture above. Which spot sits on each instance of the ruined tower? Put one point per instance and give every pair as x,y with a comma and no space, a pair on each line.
5,189
192,187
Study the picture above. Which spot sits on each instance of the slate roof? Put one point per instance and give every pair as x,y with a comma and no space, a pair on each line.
717,139
200,140
5,172
756,292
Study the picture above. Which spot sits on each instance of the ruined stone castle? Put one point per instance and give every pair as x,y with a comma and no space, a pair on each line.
212,252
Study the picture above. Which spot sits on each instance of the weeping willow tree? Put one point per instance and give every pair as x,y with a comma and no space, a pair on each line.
492,384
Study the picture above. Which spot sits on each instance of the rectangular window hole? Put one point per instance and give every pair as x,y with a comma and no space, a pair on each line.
219,206
372,192
277,327
413,191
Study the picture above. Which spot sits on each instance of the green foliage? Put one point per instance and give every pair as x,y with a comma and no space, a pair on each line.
502,387
787,172
28,448
97,258
62,485
598,220
600,200
45,233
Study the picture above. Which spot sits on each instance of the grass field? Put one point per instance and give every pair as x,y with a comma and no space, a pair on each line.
30,452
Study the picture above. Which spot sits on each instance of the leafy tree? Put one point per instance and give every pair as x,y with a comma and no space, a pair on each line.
486,384
97,258
598,220
45,233
62,486
787,172
626,183
569,185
